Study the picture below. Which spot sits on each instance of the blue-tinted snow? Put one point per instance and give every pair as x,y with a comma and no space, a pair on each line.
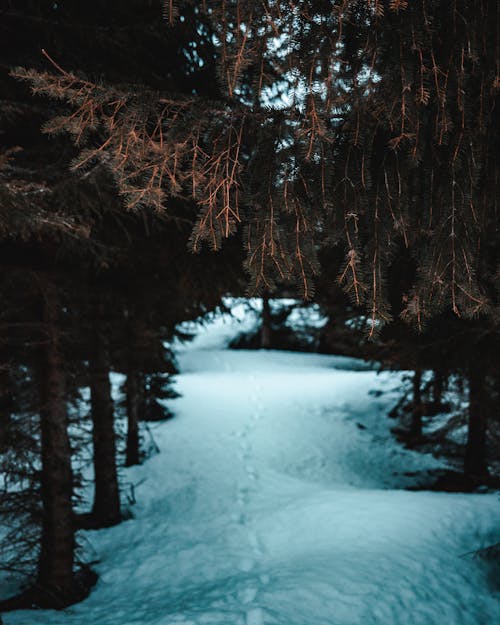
268,505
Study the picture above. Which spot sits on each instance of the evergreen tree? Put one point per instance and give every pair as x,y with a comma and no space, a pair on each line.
67,236
388,142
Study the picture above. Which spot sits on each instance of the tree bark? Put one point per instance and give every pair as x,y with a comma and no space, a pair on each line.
106,508
265,331
133,408
416,412
55,567
475,464
438,384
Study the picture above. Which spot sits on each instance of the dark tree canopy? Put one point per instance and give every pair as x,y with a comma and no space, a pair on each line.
359,123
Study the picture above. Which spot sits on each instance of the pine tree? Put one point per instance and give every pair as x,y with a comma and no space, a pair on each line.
388,142
67,235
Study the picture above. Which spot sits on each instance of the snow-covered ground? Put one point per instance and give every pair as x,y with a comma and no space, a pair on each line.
278,498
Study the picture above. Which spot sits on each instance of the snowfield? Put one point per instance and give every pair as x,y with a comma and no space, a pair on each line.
278,498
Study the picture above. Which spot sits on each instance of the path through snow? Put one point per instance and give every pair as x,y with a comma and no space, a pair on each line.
269,504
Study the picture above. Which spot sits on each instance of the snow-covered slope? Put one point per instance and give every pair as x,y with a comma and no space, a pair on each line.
276,499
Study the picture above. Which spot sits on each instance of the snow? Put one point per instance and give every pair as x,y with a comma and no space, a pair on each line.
278,498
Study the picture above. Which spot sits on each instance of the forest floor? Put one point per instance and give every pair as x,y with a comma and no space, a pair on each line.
278,497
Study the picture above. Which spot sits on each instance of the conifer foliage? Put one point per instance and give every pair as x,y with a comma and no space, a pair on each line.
87,288
375,122
353,137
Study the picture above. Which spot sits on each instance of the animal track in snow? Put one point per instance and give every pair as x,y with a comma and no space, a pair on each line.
251,472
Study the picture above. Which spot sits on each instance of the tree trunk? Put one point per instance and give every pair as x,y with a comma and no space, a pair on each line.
5,404
106,508
475,464
438,387
416,412
133,408
55,567
265,330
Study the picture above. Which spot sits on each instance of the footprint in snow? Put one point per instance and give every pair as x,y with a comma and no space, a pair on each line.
251,472
243,495
254,541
